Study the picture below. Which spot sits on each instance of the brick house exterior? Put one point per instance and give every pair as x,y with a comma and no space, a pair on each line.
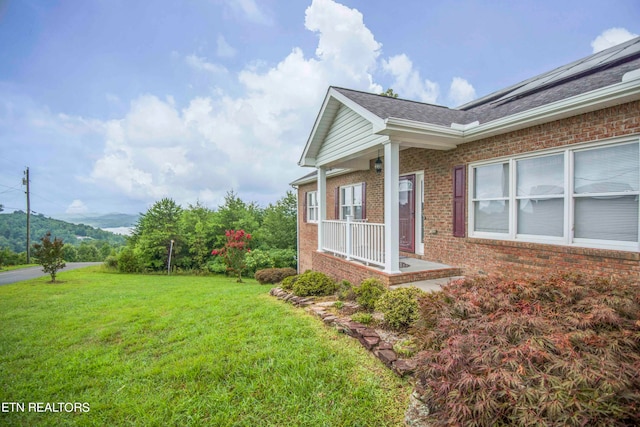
539,177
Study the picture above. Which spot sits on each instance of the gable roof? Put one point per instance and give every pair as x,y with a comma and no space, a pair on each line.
606,78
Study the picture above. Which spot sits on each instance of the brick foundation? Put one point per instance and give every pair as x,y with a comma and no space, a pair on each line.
341,269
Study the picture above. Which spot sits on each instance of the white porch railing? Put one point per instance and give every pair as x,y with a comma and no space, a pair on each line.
362,241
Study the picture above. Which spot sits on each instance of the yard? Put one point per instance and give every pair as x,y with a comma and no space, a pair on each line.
158,350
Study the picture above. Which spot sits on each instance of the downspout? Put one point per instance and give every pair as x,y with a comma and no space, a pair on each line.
297,229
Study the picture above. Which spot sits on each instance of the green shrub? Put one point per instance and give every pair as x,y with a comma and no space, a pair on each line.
274,275
128,261
405,348
338,305
563,350
368,293
260,259
288,282
111,262
284,258
217,266
314,283
257,260
345,291
364,318
400,307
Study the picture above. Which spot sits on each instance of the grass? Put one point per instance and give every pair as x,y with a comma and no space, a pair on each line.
157,350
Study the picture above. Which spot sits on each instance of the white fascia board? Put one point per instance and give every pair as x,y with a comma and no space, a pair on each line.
616,94
451,137
303,158
314,178
368,115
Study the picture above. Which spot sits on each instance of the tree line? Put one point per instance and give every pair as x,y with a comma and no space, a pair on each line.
192,233
81,242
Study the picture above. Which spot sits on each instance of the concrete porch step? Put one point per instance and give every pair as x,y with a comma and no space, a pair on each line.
431,285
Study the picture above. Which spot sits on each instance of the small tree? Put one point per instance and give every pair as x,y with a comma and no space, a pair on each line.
234,252
389,93
50,255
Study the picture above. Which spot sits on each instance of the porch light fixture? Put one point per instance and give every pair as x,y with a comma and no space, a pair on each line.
378,164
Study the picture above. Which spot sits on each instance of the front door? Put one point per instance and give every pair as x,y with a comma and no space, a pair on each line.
407,213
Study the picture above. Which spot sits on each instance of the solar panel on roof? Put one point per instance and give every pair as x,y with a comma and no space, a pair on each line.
596,60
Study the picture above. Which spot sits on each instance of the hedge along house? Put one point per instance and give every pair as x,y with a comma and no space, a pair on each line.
538,177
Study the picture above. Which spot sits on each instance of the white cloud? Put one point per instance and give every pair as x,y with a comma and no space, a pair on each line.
611,37
346,47
224,49
407,81
250,10
201,64
77,207
461,91
249,143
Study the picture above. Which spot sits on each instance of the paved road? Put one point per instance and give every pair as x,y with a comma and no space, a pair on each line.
13,276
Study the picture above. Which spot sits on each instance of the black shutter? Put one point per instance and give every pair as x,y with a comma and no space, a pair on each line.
459,190
336,210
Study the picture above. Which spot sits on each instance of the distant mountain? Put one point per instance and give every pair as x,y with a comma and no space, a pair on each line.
13,231
111,220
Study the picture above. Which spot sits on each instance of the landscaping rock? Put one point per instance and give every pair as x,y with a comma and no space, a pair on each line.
404,367
369,342
366,332
385,346
329,319
387,356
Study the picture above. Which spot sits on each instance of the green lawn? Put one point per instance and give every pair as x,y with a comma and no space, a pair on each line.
157,350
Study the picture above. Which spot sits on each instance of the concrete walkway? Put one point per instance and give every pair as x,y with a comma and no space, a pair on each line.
428,285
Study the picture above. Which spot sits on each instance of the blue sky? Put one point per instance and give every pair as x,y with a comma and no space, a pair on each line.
116,104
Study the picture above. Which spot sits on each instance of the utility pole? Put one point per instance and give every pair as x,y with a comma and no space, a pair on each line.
25,181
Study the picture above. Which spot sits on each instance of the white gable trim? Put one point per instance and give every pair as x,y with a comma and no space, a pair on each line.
331,105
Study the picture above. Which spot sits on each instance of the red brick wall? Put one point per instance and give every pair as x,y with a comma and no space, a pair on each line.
481,255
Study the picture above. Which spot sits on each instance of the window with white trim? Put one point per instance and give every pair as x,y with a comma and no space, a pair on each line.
584,196
312,206
351,201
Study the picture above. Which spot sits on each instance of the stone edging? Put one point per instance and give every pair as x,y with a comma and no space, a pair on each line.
368,337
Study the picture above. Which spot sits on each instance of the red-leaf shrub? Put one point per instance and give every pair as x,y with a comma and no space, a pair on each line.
560,351
273,275
234,252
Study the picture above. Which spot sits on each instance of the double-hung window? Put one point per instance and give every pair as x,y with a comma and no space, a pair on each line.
312,206
351,197
491,198
585,196
540,196
605,191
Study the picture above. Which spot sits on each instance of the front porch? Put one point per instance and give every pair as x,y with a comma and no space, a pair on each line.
411,270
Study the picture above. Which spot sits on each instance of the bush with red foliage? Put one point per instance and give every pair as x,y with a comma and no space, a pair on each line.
560,351
234,252
269,276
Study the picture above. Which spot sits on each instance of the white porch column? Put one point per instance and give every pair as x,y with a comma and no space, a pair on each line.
391,207
322,205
